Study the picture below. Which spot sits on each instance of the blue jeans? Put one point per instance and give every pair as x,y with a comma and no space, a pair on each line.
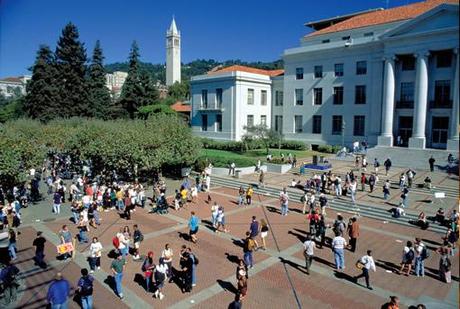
339,258
96,217
148,280
75,216
284,209
82,236
57,208
240,200
118,288
59,306
386,195
248,258
87,302
353,195
124,251
120,205
12,250
419,267
193,274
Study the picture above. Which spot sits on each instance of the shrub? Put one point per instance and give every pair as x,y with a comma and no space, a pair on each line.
291,145
329,148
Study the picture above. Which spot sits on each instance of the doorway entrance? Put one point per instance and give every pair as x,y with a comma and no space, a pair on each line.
404,131
440,130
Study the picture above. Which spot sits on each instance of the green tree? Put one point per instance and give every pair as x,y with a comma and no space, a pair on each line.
149,92
132,87
99,94
179,91
71,69
42,99
264,135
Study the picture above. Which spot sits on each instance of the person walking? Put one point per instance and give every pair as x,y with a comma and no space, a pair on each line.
367,264
421,254
85,289
308,252
363,181
407,258
65,237
83,228
249,193
284,202
12,249
39,244
304,200
371,181
57,200
118,267
161,271
353,233
58,292
95,253
386,189
187,270
241,196
147,268
254,230
445,265
193,224
431,161
248,247
242,286
353,186
194,265
263,232
338,245
261,179
167,255
138,237
387,165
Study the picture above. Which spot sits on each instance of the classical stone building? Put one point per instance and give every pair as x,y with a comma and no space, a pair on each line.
389,77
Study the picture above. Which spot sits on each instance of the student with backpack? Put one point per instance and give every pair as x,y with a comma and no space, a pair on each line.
85,289
421,254
407,258
445,265
147,268
248,247
339,226
138,237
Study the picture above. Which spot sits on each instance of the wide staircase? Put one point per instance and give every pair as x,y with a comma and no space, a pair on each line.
370,211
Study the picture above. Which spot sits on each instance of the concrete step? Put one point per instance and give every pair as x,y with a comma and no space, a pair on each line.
335,204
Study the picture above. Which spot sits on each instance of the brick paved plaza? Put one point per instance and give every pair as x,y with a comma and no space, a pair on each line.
278,278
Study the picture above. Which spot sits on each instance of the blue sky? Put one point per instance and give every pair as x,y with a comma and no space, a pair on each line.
250,30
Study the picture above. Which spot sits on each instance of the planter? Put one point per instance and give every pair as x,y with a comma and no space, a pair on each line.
278,168
223,171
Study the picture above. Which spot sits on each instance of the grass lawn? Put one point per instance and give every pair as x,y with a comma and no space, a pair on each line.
221,158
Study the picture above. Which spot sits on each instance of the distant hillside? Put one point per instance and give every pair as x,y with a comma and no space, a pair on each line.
196,67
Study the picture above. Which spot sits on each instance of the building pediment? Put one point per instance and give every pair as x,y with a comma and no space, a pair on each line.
442,17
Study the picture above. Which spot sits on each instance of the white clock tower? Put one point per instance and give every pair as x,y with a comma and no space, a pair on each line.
173,66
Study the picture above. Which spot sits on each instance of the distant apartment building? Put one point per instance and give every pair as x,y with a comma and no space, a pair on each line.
115,81
390,77
10,86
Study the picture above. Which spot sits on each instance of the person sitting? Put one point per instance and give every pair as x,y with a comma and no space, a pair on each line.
440,216
422,221
427,182
398,211
293,183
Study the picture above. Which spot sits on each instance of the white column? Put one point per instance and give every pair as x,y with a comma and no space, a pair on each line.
386,137
418,139
452,143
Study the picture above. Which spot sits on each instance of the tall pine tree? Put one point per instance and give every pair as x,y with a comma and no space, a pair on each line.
42,100
130,93
150,93
98,93
71,69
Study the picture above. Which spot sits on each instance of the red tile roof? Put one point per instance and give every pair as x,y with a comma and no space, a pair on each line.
247,69
382,17
181,107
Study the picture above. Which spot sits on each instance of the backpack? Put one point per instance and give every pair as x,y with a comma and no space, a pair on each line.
159,276
116,242
87,287
447,263
424,254
251,244
410,255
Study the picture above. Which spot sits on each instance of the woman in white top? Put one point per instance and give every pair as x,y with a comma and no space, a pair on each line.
167,255
193,193
161,271
95,252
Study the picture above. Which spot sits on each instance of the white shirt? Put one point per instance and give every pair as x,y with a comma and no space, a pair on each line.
162,268
353,185
122,240
95,249
167,254
368,262
308,247
339,242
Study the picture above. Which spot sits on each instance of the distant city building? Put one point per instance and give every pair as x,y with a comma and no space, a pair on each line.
115,81
10,86
390,77
173,65
162,89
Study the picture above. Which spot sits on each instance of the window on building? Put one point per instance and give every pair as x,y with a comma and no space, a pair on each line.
346,38
361,68
278,98
263,120
444,59
338,69
360,94
368,34
219,123
317,96
279,123
250,96
318,71
204,98
407,92
316,124
336,124
407,63
219,97
442,91
299,73
299,97
204,122
325,41
298,124
250,121
338,95
359,125
263,97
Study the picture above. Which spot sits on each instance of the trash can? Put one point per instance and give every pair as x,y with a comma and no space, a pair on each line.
238,174
315,160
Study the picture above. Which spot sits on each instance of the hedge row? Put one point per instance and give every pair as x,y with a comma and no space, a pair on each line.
329,148
250,145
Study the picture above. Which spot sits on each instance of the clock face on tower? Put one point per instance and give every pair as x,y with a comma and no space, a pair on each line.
170,42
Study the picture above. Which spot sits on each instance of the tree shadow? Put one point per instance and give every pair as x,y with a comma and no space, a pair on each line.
232,258
293,265
227,286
